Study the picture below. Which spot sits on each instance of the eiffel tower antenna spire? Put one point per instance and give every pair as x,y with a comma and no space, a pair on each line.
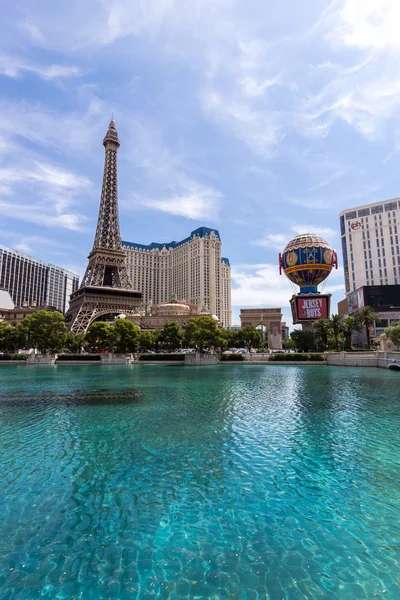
106,287
107,232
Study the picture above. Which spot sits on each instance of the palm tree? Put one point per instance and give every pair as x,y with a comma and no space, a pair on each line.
322,330
366,317
335,326
349,325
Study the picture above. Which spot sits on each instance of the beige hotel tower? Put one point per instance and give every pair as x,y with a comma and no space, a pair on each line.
192,270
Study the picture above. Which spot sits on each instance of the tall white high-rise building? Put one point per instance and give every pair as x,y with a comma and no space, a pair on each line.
32,282
370,244
193,270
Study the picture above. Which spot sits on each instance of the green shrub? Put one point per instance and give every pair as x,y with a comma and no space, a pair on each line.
13,356
297,357
162,357
232,357
83,357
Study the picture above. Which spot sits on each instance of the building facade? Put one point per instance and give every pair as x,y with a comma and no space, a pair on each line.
370,244
32,282
156,316
268,321
192,270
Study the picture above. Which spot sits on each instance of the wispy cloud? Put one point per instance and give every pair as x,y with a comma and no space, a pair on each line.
33,243
321,230
260,129
38,213
272,240
278,241
196,202
13,66
171,178
44,174
259,285
363,93
50,127
51,189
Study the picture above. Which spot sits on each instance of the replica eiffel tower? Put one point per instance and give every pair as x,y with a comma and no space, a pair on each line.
106,288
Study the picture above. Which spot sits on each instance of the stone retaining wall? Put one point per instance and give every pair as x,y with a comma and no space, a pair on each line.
179,363
12,362
347,359
78,362
388,358
283,363
258,357
41,359
197,360
116,359
363,359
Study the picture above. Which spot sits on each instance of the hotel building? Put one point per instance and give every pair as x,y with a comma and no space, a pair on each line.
32,282
370,244
193,270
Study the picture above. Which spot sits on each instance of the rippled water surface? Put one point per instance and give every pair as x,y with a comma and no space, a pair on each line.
214,482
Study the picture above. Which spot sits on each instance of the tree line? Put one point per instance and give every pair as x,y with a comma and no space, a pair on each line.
336,333
47,331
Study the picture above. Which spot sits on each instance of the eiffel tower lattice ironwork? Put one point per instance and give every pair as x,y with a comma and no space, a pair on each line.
106,287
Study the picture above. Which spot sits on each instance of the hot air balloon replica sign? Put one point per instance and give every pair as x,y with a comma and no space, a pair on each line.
307,261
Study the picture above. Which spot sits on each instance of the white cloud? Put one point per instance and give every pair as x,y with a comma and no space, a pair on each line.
368,24
365,92
43,174
45,126
236,68
33,32
272,240
39,192
41,214
254,88
32,243
12,66
260,285
257,127
326,232
278,241
170,178
199,203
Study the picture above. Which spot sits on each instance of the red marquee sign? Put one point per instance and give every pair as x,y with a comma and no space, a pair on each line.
311,308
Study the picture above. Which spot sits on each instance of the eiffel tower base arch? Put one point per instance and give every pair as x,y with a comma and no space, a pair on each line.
89,303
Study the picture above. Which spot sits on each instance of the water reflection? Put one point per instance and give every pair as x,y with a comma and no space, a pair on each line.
222,482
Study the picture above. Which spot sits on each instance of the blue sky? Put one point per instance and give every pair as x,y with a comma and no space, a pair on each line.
261,119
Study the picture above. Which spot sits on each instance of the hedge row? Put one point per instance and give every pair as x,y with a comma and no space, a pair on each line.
232,357
297,357
13,356
83,357
162,357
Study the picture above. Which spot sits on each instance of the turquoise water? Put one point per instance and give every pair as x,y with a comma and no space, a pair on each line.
212,482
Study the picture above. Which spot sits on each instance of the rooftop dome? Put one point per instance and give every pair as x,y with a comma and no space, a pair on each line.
173,308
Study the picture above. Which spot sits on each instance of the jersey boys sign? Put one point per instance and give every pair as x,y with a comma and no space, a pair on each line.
312,307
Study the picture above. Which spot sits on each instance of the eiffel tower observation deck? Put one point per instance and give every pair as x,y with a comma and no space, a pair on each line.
106,288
